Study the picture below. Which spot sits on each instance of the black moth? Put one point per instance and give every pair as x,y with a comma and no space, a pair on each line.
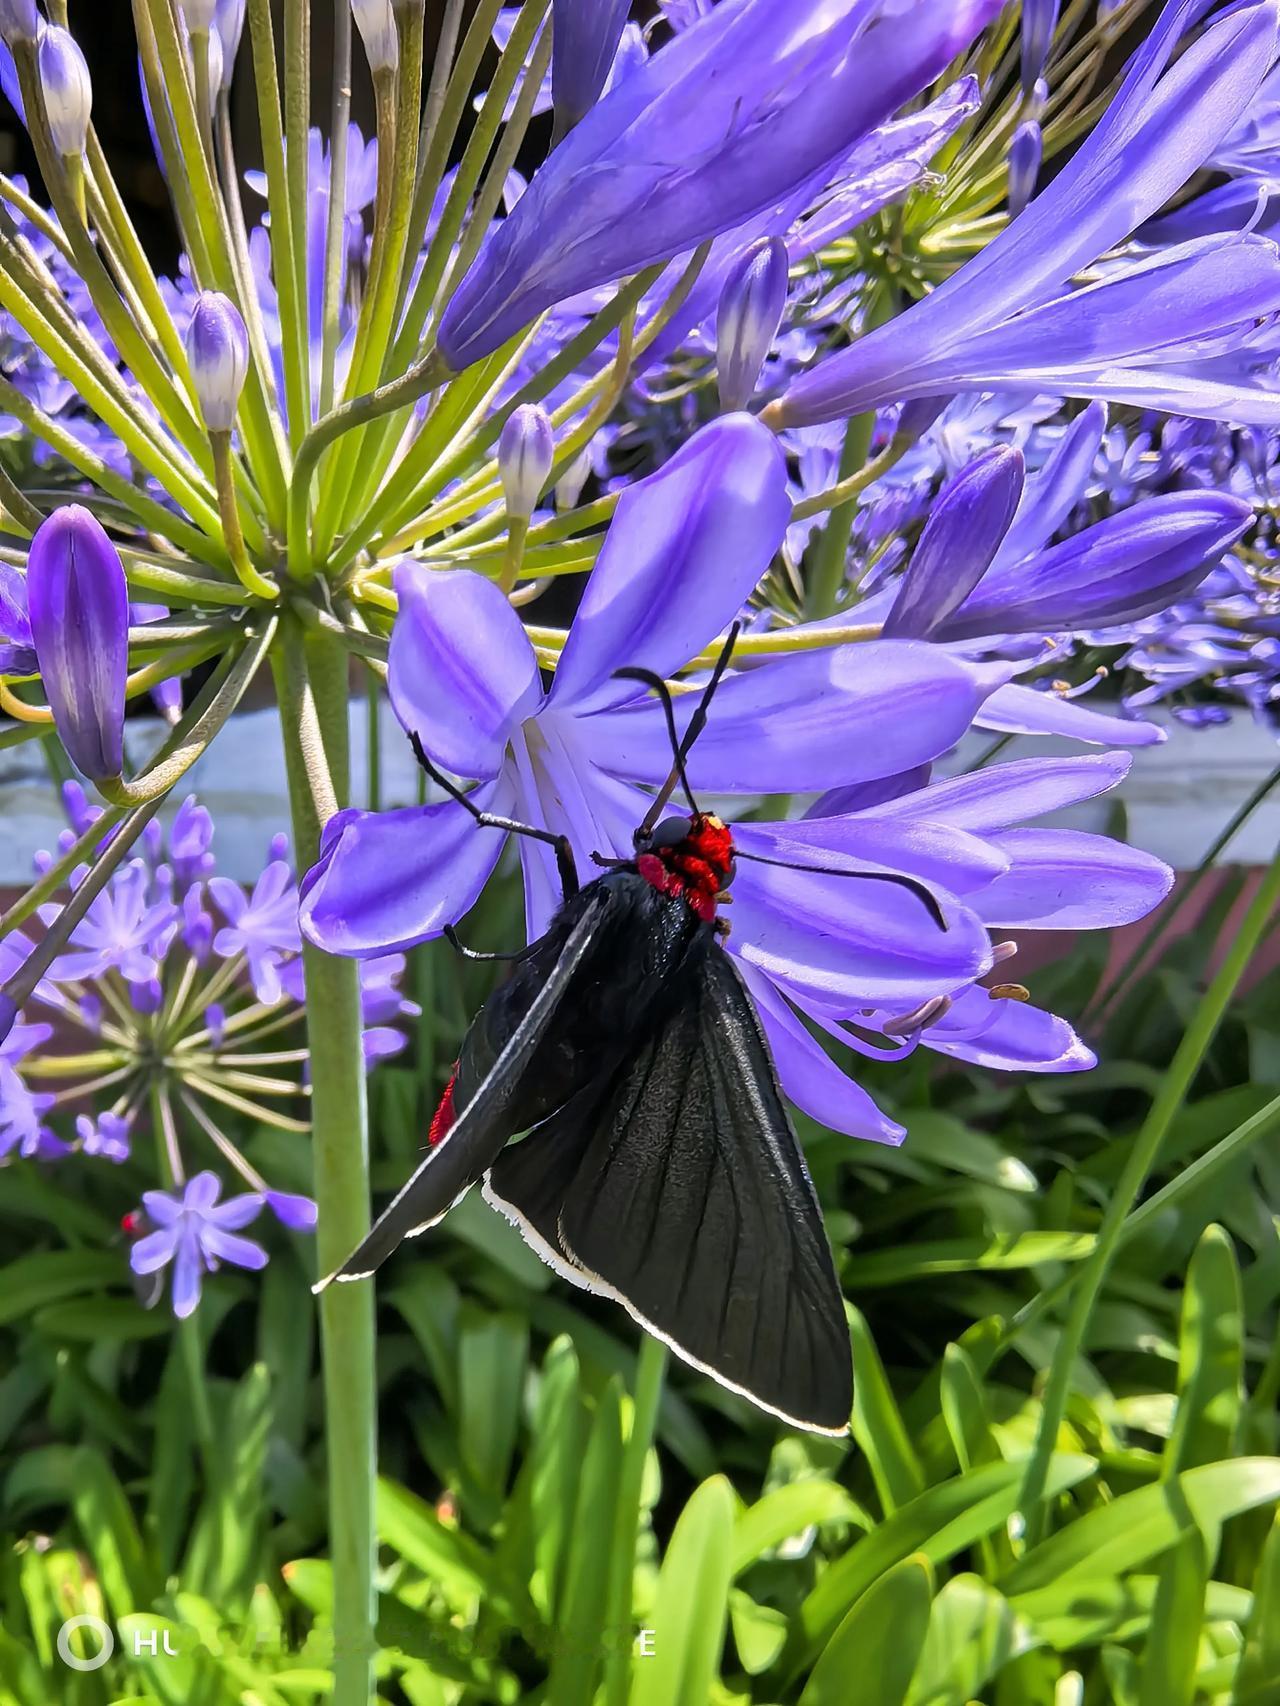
660,1167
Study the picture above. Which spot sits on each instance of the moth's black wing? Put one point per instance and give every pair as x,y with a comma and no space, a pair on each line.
682,1192
492,1113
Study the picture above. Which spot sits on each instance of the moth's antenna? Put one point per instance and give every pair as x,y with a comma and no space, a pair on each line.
921,890
680,748
678,774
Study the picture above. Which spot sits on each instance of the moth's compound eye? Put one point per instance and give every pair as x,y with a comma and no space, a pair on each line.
670,832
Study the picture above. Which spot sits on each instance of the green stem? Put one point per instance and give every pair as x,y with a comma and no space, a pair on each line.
339,118
311,681
650,1368
830,560
1141,1158
255,584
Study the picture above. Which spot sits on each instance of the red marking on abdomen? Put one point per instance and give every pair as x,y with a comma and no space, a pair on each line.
443,1119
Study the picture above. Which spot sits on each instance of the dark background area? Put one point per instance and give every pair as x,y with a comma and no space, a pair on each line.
104,29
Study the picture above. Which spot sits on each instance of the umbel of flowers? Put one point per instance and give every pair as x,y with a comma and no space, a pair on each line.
359,426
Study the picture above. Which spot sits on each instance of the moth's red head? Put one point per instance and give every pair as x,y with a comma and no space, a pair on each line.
690,859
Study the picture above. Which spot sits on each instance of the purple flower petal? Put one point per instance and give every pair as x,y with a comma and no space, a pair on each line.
388,880
861,942
1003,795
202,1192
236,1211
161,1208
1014,709
807,1073
241,1252
1008,1036
797,723
298,1213
1065,879
685,550
936,853
153,1251
188,1272
1127,566
461,671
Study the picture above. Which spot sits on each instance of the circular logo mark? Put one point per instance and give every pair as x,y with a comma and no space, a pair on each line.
101,1630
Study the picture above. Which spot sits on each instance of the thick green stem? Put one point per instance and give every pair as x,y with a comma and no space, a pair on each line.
311,683
1141,1158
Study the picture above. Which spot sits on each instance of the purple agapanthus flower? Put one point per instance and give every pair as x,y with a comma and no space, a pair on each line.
263,926
22,1111
1188,329
856,958
196,1232
106,1136
685,551
985,577
740,111
125,930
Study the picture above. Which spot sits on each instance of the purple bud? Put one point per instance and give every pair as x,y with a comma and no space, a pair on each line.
197,925
961,537
20,20
1039,21
68,91
148,997
296,1212
585,41
198,14
376,21
218,350
91,1010
918,416
1025,153
526,452
215,1018
80,625
751,307
278,851
229,23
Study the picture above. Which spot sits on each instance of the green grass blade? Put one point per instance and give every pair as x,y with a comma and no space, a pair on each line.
1210,1359
1173,1642
692,1605
1128,1531
872,1656
877,1423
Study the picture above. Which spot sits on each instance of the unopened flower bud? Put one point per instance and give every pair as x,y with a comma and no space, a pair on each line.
229,27
79,607
198,15
376,21
751,308
218,350
1039,21
526,452
1025,153
68,91
20,20
585,41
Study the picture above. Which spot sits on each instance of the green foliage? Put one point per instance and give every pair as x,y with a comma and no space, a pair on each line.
559,1526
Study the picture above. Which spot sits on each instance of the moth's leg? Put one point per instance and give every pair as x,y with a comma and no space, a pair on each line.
559,844
451,936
